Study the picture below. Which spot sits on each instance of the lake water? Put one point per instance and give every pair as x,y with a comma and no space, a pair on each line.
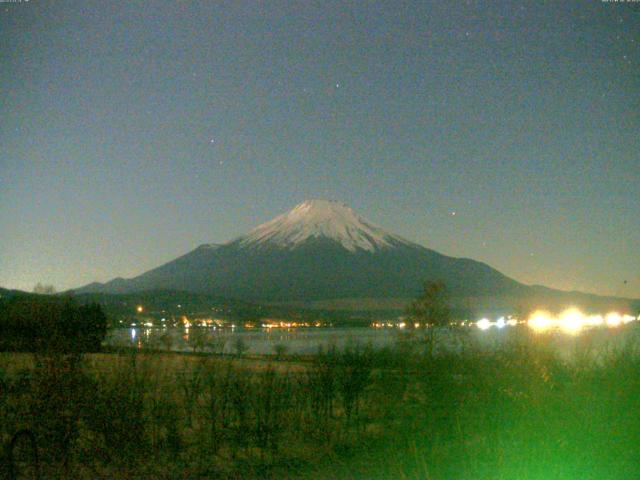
309,340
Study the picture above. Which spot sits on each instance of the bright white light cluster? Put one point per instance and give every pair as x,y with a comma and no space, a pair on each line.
573,320
485,323
570,321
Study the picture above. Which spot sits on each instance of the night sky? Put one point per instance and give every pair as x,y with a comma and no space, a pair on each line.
508,132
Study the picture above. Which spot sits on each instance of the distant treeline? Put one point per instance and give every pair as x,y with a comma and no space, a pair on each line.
44,323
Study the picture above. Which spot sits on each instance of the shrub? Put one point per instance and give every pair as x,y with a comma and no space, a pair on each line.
51,324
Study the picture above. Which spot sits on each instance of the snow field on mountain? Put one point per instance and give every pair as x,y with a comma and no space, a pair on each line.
321,219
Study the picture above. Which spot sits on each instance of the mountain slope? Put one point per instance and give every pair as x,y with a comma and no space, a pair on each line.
322,250
318,250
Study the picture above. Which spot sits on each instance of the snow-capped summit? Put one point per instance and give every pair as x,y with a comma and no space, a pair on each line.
321,219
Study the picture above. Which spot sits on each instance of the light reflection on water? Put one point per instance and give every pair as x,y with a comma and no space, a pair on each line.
308,340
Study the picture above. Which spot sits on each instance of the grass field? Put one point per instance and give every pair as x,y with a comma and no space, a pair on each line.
516,412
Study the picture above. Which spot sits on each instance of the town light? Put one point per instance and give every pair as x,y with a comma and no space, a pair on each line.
540,321
572,321
483,323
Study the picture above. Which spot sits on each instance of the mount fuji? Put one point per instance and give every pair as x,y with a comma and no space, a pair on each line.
322,251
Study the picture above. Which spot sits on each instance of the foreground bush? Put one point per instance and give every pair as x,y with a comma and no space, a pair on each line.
516,412
47,324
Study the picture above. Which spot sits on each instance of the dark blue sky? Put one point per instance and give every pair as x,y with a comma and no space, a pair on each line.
131,132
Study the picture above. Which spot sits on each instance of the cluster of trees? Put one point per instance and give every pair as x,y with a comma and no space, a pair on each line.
44,289
40,324
430,309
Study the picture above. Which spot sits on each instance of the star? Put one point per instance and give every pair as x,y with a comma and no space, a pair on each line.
212,141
